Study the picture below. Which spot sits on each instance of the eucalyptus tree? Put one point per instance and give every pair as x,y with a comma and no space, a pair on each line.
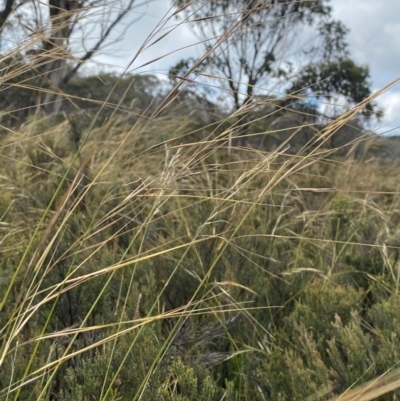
60,36
271,46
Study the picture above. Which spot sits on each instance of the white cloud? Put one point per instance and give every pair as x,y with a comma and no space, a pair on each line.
390,103
373,39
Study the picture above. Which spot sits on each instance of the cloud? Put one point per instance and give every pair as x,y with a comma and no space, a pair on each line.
373,39
390,103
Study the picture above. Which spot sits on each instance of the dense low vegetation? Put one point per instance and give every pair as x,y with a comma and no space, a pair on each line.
190,270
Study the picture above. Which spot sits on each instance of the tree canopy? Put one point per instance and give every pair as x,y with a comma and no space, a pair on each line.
57,36
271,48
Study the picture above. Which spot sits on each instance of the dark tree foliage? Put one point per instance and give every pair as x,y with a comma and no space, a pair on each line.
341,78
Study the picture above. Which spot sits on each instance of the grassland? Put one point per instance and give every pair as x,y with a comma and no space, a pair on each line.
145,257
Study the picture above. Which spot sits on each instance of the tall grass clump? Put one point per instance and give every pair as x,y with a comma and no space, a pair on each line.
144,256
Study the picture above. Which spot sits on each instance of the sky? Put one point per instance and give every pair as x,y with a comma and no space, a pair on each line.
373,40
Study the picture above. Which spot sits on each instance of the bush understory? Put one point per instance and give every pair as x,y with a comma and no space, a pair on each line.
190,270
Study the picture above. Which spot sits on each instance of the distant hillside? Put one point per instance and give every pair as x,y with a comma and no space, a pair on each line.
273,125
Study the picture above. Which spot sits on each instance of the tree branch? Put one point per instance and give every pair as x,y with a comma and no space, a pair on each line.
89,54
6,13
